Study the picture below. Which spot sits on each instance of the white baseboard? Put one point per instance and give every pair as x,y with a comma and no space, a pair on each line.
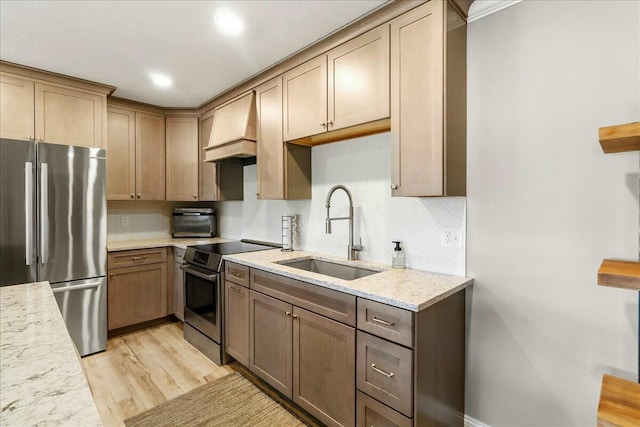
472,422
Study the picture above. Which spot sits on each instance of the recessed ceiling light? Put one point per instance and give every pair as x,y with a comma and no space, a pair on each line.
161,80
228,22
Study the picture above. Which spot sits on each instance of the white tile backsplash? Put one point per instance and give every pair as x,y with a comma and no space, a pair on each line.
363,166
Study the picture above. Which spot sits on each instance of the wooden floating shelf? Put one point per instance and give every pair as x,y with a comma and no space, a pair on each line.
619,402
619,274
620,138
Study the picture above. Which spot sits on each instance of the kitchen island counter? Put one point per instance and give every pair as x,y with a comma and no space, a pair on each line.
42,381
410,289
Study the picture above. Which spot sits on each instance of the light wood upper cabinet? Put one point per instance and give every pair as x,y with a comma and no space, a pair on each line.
182,158
16,111
305,99
35,110
284,171
69,116
135,155
348,86
217,182
121,154
358,80
428,142
150,156
208,189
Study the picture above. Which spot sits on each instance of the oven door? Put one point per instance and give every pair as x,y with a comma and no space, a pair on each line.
202,308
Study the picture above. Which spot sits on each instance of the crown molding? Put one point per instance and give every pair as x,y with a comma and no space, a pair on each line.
481,8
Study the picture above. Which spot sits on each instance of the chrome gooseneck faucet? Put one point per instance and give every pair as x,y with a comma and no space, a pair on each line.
353,249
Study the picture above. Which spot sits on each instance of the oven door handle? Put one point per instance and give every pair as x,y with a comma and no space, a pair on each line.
187,269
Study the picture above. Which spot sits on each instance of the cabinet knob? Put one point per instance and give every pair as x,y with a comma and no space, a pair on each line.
323,124
30,138
330,123
394,186
133,196
40,139
195,196
110,274
138,195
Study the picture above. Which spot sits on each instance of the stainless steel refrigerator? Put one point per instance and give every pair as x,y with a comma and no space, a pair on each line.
53,227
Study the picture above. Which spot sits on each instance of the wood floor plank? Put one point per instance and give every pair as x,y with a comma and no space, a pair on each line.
142,369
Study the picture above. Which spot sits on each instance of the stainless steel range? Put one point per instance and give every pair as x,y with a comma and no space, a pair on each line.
203,300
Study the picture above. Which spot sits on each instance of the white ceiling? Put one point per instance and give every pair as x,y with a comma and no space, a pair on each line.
121,43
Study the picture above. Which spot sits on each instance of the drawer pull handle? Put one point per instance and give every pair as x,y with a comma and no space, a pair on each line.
287,313
384,322
380,371
236,289
238,275
138,258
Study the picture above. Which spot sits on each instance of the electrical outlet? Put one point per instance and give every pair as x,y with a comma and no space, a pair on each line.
124,221
451,237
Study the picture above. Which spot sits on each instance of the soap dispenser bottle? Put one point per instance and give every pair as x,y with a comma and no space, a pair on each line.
398,256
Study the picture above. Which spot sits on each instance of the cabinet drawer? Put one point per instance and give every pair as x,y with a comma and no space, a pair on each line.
392,323
327,302
236,273
137,257
384,371
370,412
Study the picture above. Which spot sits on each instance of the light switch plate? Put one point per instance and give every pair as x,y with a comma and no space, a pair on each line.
124,221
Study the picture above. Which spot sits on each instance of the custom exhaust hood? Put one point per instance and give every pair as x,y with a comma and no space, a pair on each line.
233,133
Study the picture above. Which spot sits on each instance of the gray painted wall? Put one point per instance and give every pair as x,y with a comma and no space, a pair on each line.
545,206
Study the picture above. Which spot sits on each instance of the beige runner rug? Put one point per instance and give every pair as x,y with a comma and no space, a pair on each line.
227,401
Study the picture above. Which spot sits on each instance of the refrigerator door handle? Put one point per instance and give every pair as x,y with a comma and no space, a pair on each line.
92,285
28,212
44,216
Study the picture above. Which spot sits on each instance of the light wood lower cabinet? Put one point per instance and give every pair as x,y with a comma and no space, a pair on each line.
394,368
306,356
137,289
237,322
271,341
324,368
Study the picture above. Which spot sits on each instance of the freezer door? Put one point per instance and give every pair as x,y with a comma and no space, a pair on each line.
72,212
17,214
83,304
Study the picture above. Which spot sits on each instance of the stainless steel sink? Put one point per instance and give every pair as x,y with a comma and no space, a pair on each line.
340,271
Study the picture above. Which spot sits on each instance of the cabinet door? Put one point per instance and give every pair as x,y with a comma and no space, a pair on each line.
324,368
182,158
270,149
270,341
417,85
150,156
16,108
358,73
208,189
136,294
237,322
305,99
121,154
69,116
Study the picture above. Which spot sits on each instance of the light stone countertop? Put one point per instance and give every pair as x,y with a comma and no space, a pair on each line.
410,289
41,376
160,242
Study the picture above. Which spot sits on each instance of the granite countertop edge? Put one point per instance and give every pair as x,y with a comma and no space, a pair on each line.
423,288
160,242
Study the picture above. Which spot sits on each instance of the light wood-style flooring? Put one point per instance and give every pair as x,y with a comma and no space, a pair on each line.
142,369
